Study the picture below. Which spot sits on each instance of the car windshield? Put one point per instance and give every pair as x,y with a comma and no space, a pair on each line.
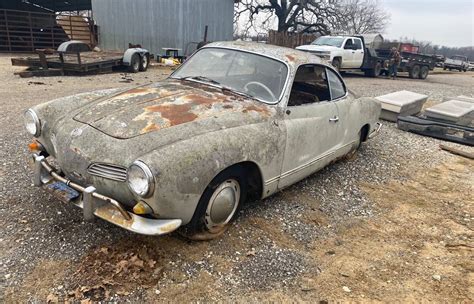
245,73
331,41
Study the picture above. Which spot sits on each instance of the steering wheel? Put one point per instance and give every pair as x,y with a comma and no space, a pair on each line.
246,88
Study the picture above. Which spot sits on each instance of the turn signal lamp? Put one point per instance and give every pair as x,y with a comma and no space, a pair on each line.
142,208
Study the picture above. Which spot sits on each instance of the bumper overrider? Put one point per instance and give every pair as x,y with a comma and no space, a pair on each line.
94,204
376,131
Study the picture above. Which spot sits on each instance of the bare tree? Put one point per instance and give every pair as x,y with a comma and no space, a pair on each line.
302,16
361,17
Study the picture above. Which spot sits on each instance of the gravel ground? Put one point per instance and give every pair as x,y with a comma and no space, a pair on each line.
45,244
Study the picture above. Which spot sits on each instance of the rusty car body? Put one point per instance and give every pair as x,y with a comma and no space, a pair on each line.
193,147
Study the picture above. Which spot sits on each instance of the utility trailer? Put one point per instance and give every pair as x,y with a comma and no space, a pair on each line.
417,65
75,57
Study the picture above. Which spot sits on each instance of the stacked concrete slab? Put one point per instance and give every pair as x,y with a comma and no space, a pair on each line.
457,111
401,103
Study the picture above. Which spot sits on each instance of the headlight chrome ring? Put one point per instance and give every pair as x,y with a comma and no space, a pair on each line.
143,185
32,123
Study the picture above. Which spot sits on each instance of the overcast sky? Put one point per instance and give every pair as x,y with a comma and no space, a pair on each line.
443,22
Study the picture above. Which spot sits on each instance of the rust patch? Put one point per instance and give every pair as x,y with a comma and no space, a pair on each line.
290,57
175,113
263,110
136,91
227,106
204,100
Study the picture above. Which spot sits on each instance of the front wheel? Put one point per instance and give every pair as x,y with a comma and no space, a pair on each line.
336,63
415,71
134,64
218,205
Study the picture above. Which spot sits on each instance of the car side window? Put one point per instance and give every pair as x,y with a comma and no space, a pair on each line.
349,44
358,44
310,86
337,87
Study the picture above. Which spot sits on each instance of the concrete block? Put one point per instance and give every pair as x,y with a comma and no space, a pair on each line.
401,103
453,111
461,98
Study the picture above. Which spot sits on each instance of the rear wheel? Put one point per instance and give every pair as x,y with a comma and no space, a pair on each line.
134,64
424,71
218,205
415,71
144,62
375,72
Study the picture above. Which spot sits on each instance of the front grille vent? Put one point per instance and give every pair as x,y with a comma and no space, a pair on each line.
113,172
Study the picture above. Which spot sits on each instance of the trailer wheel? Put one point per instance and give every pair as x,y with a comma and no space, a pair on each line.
415,71
424,71
144,62
134,64
336,63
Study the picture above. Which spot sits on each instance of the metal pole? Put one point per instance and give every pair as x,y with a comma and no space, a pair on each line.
8,31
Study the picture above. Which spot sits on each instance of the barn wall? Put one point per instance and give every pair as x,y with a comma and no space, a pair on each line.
156,24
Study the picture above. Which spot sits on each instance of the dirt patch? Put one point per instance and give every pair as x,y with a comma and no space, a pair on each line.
39,283
421,247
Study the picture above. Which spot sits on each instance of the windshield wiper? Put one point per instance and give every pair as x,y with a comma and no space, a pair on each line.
217,84
200,78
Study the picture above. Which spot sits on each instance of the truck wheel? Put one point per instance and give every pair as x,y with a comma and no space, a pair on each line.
144,62
336,63
218,205
424,71
414,71
375,72
134,64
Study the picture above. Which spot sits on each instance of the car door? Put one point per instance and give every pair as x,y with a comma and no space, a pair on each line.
348,58
347,124
358,52
311,125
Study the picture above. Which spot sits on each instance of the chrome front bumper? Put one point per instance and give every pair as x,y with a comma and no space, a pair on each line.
94,204
376,131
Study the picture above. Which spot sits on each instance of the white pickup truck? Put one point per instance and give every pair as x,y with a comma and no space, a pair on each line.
344,52
456,63
350,53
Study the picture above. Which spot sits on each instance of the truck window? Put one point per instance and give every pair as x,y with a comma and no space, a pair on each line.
310,86
349,44
358,44
337,87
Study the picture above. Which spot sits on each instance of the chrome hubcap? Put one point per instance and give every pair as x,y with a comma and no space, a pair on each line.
223,204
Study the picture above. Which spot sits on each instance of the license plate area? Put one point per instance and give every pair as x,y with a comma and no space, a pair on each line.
61,191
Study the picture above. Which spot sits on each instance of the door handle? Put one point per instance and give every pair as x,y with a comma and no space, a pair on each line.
334,119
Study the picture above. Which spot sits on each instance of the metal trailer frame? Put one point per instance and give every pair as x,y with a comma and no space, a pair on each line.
54,63
437,129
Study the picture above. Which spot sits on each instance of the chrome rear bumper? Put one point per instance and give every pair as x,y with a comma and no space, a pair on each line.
95,204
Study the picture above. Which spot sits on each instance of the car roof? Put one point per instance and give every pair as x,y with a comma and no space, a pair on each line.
292,57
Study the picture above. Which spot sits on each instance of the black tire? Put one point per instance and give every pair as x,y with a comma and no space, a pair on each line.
134,64
144,62
375,72
199,228
336,63
424,71
414,71
445,68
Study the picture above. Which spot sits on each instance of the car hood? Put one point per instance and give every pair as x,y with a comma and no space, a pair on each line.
317,48
171,103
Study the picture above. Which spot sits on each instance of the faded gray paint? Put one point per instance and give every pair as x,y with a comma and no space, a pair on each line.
191,132
157,24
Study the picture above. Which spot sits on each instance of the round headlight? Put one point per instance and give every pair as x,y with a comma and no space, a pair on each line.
140,179
32,123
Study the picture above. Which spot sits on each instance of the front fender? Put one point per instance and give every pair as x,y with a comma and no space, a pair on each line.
183,170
